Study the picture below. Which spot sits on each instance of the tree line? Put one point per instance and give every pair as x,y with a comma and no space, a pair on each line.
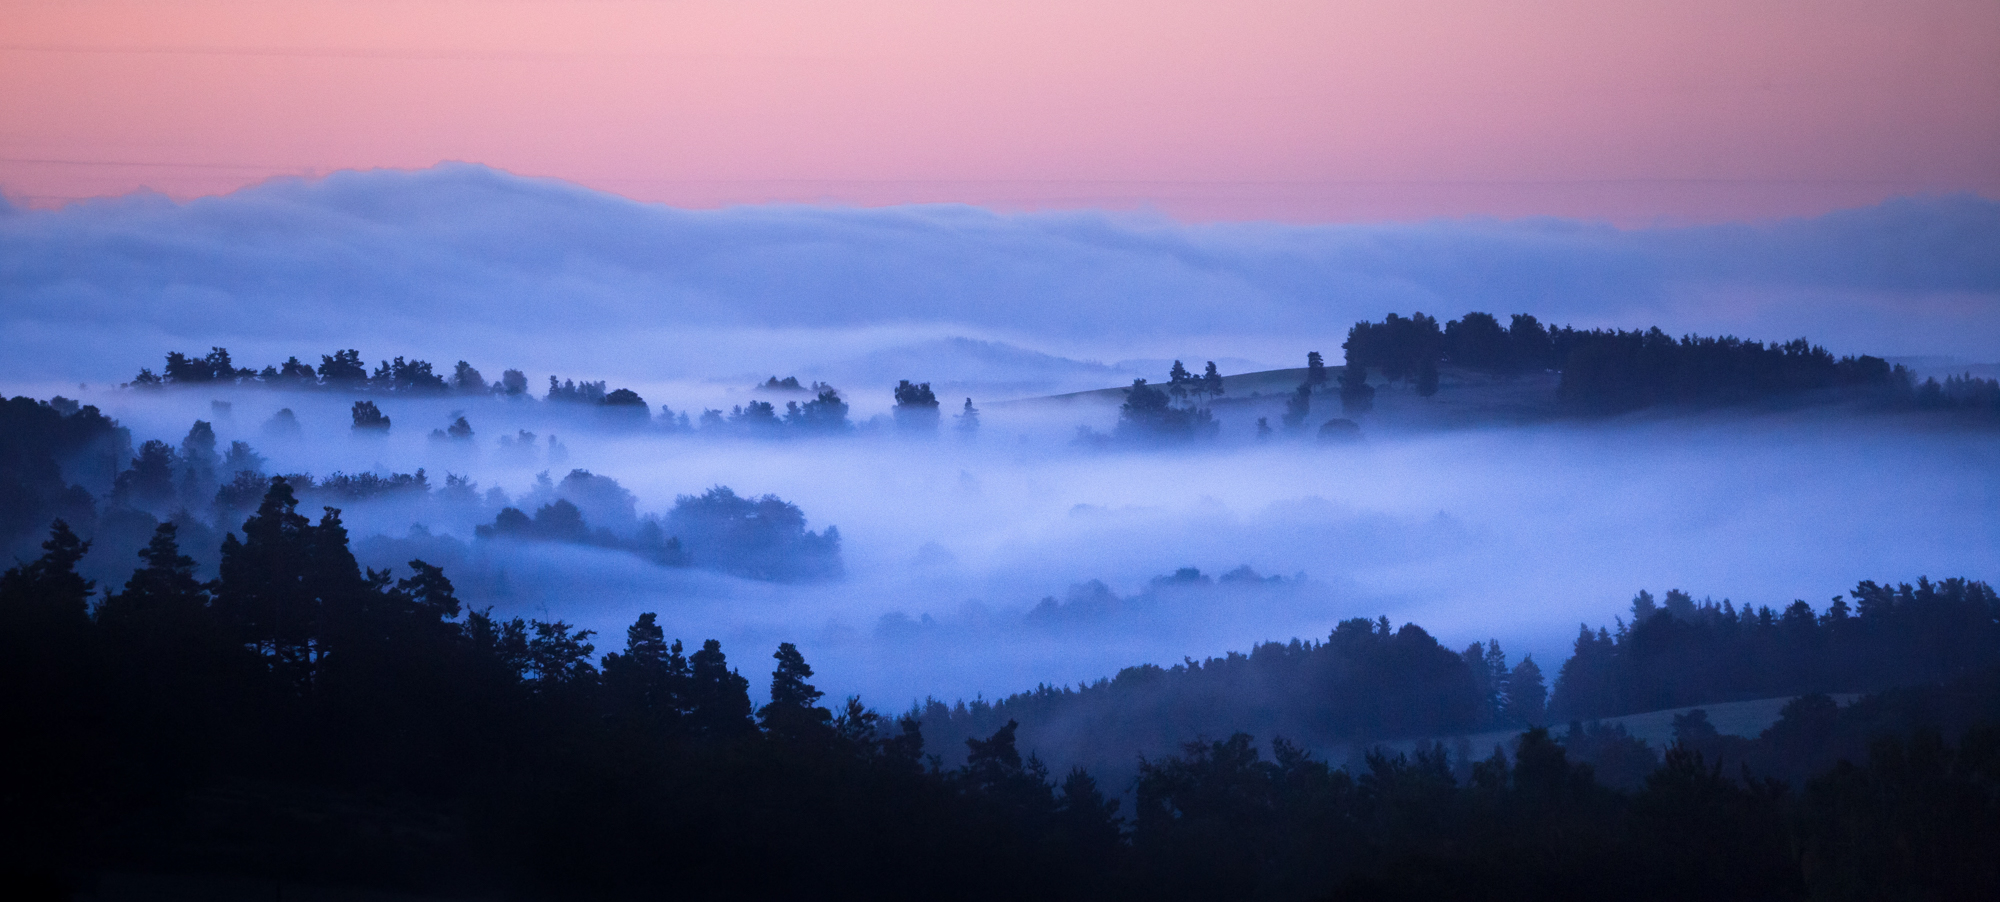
916,409
1365,681
1175,411
1686,652
345,370
1368,681
1609,371
302,720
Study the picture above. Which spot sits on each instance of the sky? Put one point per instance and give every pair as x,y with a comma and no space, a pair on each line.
1698,111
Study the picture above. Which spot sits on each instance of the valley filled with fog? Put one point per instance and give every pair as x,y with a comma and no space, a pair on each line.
1447,513
950,541
596,451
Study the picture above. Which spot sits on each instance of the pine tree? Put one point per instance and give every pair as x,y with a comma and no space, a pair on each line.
1180,382
792,713
1527,695
719,697
47,592
163,598
649,681
1643,607
262,598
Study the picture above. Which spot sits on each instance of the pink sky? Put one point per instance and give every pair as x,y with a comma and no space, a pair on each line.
1632,111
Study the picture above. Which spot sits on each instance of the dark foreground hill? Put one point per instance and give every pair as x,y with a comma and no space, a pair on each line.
301,723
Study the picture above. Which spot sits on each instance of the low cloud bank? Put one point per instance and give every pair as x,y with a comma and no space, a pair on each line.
461,260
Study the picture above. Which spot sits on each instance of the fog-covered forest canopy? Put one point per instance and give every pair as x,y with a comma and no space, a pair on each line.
205,494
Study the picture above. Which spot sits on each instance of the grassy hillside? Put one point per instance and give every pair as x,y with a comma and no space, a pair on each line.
1465,398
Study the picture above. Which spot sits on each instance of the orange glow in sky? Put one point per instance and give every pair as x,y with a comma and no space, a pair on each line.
1696,110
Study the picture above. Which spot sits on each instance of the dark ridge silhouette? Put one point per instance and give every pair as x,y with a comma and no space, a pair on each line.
1683,652
300,722
1611,371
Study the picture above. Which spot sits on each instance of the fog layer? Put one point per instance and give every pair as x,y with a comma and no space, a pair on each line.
951,546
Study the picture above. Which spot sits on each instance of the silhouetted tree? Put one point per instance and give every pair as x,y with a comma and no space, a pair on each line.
624,397
752,417
1527,694
408,377
1397,345
1180,382
293,373
648,683
574,392
214,367
719,698
466,380
266,597
47,594
916,409
1148,414
369,418
162,600
1477,342
825,413
792,712
343,369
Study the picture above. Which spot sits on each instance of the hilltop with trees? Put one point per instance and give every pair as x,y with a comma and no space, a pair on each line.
1611,371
